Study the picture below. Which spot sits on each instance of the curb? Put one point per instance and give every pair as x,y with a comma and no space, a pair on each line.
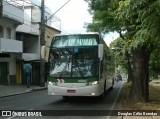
29,91
38,89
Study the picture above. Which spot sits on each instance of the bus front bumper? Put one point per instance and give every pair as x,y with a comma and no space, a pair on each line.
93,90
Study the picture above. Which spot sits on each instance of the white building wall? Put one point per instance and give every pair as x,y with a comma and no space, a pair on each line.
12,12
28,27
10,25
36,14
11,61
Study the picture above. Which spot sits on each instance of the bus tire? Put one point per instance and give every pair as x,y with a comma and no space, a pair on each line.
65,98
112,81
111,88
104,92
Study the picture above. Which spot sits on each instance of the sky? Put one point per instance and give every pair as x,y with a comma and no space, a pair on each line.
73,16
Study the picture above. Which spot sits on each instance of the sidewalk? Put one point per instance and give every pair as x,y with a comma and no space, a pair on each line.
156,85
17,90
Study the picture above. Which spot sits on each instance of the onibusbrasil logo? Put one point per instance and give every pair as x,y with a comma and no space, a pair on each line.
20,113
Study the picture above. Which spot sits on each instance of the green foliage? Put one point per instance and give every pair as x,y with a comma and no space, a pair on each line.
155,61
138,18
104,16
138,23
118,50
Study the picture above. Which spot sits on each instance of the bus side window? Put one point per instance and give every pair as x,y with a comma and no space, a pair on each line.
101,69
105,61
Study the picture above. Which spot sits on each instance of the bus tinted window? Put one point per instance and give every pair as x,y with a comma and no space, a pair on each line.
75,40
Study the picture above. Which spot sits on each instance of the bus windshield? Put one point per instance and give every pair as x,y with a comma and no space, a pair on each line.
75,40
74,62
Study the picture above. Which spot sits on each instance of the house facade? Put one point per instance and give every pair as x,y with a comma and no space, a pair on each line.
11,49
20,39
29,34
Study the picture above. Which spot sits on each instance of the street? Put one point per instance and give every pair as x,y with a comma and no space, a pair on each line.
41,101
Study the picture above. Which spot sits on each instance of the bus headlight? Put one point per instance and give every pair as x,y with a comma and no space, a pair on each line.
93,83
52,83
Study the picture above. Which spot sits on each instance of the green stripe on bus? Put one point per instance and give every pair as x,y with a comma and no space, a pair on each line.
74,80
52,79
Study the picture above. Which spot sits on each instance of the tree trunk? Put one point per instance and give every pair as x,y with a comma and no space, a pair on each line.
129,67
140,80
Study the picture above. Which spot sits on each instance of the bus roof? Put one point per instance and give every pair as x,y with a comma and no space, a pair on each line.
88,33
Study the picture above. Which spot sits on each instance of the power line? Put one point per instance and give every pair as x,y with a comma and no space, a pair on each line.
57,10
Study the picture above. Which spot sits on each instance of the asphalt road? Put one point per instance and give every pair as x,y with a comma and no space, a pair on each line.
41,101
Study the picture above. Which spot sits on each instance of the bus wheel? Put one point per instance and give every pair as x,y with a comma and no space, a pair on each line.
65,98
104,93
111,88
112,84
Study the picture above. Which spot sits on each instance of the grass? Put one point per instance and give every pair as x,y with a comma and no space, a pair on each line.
153,104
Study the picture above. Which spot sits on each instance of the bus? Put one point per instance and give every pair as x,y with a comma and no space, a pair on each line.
79,65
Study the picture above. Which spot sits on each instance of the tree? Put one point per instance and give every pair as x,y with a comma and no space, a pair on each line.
122,56
140,22
155,63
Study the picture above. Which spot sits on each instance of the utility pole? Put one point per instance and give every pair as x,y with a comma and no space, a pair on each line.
42,43
42,39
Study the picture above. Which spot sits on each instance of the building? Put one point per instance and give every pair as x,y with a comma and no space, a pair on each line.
11,17
28,33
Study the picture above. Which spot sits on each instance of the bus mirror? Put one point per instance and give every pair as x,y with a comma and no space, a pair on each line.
43,52
100,51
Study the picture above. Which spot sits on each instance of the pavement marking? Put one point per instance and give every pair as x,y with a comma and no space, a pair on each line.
108,117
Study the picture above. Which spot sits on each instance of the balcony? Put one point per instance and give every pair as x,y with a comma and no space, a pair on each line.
13,12
10,46
30,56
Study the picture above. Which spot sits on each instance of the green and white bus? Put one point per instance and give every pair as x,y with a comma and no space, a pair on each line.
80,65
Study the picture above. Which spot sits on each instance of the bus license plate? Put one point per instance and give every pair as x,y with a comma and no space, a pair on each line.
71,91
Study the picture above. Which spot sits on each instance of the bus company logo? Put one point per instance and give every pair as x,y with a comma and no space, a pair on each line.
60,80
6,113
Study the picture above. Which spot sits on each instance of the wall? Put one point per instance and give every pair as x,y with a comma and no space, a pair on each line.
11,61
12,12
5,23
27,27
35,14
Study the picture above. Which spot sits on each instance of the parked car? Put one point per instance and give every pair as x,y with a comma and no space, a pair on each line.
118,77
